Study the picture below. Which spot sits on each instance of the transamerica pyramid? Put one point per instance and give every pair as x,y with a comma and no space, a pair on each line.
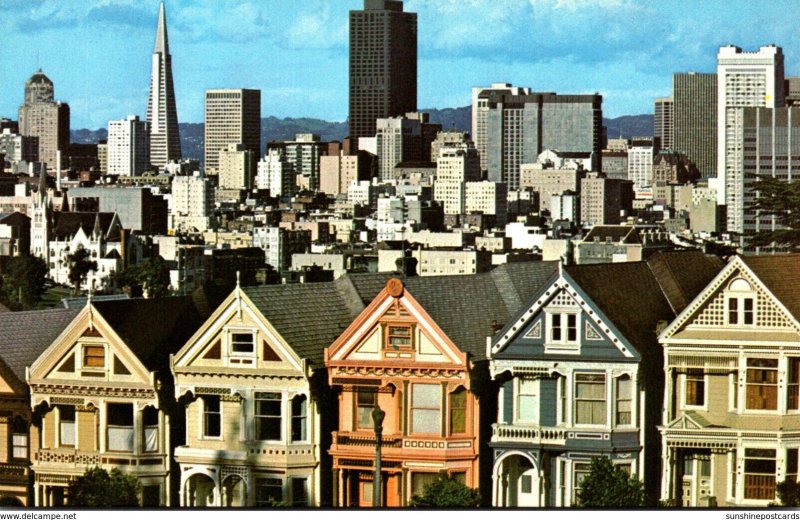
165,141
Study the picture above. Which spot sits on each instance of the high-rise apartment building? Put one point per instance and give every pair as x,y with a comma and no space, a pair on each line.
519,128
397,139
383,65
604,200
128,147
232,116
744,79
663,122
236,167
640,163
480,110
276,174
42,117
192,203
455,166
162,115
303,154
695,119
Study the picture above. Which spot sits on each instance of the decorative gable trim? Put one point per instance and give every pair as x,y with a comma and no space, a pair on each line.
236,304
736,265
392,295
545,298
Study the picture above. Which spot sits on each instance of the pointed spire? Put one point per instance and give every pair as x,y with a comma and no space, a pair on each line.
97,232
162,43
42,183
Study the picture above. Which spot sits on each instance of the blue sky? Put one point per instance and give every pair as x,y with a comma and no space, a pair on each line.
98,52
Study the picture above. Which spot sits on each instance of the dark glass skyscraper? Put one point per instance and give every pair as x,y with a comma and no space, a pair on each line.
383,65
165,141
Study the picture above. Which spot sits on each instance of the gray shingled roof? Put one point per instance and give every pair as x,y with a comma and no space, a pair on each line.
683,274
311,316
24,336
781,274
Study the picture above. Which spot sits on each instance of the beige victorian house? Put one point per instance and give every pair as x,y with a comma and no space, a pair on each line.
732,396
101,396
252,398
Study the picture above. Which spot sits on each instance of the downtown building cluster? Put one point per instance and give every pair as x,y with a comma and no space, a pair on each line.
516,299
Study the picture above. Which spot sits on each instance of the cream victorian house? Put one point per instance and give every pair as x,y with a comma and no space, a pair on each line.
101,396
731,425
252,398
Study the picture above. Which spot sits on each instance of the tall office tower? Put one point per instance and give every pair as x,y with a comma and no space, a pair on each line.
165,140
128,147
233,116
383,65
519,128
42,117
663,123
480,108
397,139
770,140
695,119
744,79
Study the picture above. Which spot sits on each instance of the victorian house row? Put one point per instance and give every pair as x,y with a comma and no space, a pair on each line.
509,381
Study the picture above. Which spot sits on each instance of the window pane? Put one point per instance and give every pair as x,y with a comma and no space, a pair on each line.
268,416
212,424
268,490
427,396
299,492
426,421
299,418
458,412
366,403
242,342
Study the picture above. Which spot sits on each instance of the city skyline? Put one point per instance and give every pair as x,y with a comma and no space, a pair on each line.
98,54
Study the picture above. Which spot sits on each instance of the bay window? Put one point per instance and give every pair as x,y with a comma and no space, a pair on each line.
590,399
268,416
762,384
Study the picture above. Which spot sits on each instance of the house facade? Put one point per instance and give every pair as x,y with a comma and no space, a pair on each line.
23,337
395,357
731,423
579,375
252,421
99,396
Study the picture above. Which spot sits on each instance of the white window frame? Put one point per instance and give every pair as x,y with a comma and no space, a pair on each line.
608,405
282,419
684,382
517,402
562,345
240,359
86,368
202,412
631,399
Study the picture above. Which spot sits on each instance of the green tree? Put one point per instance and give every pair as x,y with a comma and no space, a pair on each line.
80,264
446,492
788,493
781,199
152,276
99,488
23,283
608,485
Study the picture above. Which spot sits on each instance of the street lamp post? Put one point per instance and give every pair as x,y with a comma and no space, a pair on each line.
377,421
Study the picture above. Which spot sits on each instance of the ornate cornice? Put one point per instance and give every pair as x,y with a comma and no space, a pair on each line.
399,372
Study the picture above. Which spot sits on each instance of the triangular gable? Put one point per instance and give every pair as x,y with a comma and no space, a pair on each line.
707,310
370,336
89,350
685,422
210,346
563,293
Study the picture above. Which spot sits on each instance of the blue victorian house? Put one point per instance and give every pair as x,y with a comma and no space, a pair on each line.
580,374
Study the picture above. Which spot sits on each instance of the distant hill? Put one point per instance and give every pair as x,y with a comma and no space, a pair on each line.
274,129
629,126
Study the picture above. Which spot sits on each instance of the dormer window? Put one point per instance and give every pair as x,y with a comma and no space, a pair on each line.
243,343
399,337
94,356
740,303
